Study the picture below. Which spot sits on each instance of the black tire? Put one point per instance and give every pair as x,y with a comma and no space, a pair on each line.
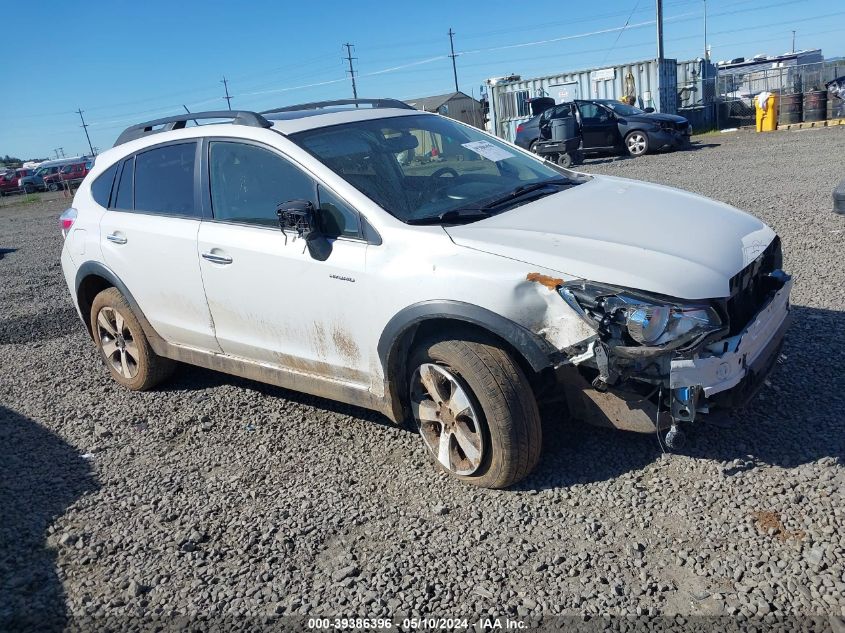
149,368
564,160
532,147
636,143
28,188
53,186
508,418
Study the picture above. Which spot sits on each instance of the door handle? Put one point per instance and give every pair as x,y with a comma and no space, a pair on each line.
116,238
217,259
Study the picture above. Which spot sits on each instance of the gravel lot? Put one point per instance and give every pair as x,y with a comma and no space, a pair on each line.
216,495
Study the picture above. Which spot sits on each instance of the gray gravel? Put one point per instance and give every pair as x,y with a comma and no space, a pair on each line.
217,495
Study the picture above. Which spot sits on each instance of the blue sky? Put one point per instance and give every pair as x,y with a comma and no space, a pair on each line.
126,62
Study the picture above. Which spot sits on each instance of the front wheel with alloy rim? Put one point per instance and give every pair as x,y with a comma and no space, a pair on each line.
475,411
636,143
123,345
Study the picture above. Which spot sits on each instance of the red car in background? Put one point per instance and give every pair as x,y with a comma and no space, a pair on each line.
10,182
71,174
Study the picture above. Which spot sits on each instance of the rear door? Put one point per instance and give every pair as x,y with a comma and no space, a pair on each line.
598,126
149,240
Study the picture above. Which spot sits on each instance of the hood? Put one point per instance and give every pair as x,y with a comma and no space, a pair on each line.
626,233
656,116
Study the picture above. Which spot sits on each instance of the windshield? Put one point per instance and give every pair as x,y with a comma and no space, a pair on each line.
622,109
423,166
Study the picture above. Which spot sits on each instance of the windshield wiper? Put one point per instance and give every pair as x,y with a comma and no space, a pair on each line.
464,214
520,191
481,211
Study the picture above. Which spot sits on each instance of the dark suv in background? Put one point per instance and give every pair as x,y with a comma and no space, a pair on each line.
610,126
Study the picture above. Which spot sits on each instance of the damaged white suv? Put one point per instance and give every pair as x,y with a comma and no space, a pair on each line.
411,264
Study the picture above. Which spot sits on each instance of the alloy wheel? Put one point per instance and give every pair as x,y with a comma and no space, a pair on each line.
637,143
448,422
117,343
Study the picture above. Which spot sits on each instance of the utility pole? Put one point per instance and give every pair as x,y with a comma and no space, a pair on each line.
706,56
453,56
351,70
659,30
227,97
85,127
793,41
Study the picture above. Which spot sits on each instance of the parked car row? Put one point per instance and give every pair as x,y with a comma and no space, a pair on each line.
49,176
606,126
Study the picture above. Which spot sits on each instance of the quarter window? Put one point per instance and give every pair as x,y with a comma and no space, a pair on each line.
336,217
101,188
248,183
164,180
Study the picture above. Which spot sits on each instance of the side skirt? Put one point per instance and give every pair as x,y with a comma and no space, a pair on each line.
312,384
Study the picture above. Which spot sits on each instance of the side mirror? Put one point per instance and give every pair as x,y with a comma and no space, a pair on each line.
648,110
300,217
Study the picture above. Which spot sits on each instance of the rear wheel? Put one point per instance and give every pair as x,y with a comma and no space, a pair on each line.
53,186
28,188
533,147
475,411
123,345
636,143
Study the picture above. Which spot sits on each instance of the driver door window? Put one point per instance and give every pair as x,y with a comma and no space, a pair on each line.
248,183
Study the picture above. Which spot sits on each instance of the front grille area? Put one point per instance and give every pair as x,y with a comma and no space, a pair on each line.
682,127
752,287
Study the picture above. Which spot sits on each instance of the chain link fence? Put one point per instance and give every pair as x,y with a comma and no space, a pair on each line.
734,91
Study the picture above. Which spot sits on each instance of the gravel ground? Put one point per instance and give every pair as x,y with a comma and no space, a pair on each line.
219,496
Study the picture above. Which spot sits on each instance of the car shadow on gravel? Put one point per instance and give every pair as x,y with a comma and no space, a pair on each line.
6,251
40,476
796,419
613,158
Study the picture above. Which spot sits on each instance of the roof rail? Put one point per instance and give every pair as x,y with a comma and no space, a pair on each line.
316,105
140,130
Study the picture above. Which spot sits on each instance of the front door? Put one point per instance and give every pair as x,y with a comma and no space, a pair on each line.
598,126
270,299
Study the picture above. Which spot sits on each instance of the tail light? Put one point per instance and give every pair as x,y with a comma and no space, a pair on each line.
66,220
519,128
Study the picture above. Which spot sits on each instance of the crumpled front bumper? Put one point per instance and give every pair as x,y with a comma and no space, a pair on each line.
742,361
668,139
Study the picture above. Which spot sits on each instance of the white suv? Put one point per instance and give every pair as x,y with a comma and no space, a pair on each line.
411,264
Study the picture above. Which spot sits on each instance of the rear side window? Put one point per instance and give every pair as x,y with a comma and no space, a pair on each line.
164,180
122,198
101,187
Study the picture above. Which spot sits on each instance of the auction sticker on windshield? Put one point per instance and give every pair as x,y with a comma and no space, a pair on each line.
488,150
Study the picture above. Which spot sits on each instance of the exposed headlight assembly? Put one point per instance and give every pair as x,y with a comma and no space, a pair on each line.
637,322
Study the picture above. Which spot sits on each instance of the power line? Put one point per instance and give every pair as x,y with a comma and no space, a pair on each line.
453,56
227,97
351,70
85,127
